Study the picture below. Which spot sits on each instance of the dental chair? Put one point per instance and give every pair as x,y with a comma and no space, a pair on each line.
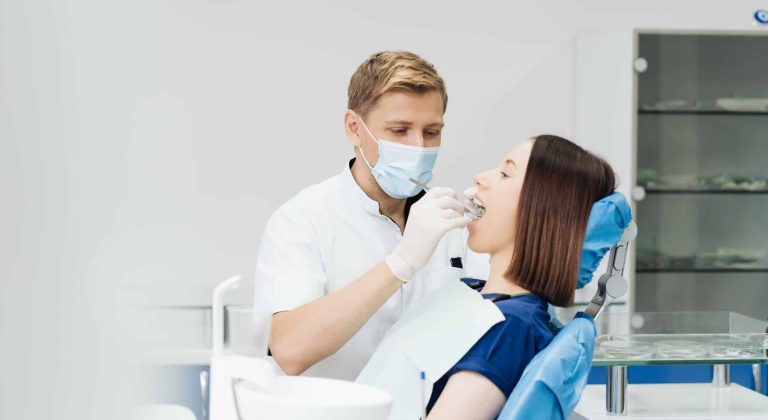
552,383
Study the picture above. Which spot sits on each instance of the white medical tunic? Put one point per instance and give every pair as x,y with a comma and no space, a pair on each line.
328,236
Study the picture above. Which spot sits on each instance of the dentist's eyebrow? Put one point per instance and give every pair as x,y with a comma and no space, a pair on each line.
407,123
400,122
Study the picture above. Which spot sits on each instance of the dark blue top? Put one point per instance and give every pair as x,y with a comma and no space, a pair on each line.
504,351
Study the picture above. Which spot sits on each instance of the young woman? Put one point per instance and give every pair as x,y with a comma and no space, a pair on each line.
537,205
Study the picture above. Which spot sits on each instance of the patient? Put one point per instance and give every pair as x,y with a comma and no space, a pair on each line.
537,205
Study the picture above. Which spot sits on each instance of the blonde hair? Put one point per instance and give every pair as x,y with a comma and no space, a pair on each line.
390,70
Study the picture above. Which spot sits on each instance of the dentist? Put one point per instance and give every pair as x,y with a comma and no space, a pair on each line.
347,256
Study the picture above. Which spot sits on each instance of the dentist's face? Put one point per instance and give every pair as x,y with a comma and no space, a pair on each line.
399,116
499,192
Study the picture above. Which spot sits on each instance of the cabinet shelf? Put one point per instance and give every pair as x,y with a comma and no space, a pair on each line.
702,191
700,270
699,112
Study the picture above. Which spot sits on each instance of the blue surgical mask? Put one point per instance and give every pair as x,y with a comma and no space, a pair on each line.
398,163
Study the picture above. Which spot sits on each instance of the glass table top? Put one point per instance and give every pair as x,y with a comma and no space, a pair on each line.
663,338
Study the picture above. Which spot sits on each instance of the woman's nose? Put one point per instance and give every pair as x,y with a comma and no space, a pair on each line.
481,180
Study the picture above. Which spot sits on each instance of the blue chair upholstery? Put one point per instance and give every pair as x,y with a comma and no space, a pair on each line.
607,220
552,383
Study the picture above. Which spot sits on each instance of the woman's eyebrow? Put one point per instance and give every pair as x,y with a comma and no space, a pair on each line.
511,162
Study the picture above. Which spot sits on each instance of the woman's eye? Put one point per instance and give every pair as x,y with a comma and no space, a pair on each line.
503,175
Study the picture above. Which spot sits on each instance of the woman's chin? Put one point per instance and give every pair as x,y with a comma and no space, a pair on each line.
475,244
484,240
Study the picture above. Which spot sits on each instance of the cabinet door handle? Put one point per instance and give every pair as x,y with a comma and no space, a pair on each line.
640,65
638,193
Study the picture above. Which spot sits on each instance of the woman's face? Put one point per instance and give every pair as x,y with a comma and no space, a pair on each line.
499,192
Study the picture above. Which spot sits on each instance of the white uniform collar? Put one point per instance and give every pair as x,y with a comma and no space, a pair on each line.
348,183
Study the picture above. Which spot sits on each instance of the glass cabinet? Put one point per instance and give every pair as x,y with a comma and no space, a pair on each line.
702,172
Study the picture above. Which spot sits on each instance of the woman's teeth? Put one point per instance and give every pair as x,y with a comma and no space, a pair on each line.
479,209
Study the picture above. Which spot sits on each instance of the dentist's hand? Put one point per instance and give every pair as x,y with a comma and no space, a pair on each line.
429,219
470,192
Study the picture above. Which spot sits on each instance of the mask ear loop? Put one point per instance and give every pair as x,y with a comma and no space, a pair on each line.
374,139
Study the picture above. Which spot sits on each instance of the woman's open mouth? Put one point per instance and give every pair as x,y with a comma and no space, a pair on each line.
478,210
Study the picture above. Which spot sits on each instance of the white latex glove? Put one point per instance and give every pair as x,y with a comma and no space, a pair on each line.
470,192
437,212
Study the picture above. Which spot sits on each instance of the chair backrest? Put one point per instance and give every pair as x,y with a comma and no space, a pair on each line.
553,381
608,219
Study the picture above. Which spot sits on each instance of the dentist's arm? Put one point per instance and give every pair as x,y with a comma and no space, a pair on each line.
311,332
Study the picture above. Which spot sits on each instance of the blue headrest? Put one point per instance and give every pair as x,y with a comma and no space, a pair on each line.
607,221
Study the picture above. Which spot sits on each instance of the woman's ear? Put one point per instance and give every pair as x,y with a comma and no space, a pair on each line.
352,128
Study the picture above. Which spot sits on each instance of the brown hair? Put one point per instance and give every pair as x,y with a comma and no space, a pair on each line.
388,70
562,182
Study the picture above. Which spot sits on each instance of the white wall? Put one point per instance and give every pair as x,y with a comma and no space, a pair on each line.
143,144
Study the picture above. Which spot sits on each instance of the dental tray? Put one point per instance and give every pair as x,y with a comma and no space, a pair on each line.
665,338
681,349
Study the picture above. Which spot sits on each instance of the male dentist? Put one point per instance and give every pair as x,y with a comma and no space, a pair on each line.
349,255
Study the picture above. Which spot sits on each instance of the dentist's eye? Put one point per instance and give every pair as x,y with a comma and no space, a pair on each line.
398,131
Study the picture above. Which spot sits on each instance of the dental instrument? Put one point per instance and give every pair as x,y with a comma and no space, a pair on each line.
472,207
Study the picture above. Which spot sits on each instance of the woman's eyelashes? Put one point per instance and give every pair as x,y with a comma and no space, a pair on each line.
503,174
